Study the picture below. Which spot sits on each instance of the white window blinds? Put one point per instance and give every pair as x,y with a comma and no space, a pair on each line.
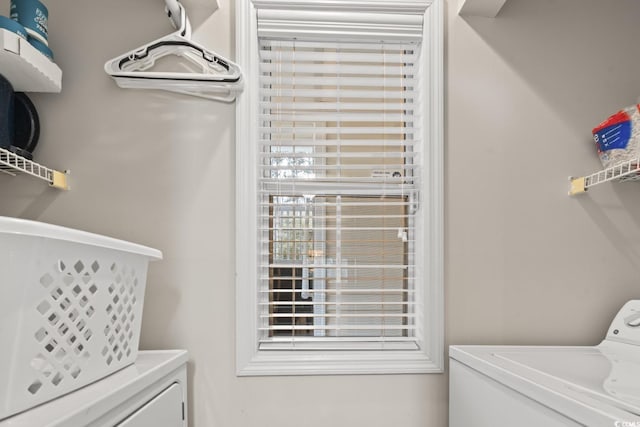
338,190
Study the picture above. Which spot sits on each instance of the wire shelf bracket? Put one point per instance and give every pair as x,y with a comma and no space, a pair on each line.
626,171
13,164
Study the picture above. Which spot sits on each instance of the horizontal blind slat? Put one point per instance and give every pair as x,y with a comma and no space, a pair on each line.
317,69
288,130
386,186
371,57
324,303
345,187
348,82
381,327
345,266
334,217
326,204
345,155
342,167
363,117
325,228
334,291
379,93
392,103
276,145
332,316
311,44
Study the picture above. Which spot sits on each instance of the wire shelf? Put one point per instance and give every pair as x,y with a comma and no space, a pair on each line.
623,172
13,164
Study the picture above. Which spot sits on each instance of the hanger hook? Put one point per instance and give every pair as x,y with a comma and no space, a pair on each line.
174,12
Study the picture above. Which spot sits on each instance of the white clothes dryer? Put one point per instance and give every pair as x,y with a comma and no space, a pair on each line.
549,386
150,393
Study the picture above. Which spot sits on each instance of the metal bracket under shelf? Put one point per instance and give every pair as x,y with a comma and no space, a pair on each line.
12,164
626,171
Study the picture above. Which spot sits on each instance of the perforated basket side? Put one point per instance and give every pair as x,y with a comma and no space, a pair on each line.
123,319
81,320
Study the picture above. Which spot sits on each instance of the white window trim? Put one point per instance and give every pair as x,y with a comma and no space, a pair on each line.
251,361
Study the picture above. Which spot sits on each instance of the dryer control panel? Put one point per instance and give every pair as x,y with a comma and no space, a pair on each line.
626,325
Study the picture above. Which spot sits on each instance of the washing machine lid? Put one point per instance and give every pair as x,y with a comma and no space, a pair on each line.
580,382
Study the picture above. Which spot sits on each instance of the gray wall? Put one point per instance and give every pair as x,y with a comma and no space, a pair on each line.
525,264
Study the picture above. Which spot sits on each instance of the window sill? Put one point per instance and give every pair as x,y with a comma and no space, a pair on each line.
280,363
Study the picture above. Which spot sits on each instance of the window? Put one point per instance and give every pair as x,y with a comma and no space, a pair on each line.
339,256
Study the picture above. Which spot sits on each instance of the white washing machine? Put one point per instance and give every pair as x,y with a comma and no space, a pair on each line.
494,386
150,393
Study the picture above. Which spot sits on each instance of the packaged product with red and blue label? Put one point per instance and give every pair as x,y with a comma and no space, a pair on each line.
618,137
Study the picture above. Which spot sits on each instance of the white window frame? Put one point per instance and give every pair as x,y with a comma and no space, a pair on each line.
430,357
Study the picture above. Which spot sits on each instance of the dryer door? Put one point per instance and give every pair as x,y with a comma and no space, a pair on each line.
164,410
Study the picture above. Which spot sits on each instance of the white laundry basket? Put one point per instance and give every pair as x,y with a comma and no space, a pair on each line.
70,309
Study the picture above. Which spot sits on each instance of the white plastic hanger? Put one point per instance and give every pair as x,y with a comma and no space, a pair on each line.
218,78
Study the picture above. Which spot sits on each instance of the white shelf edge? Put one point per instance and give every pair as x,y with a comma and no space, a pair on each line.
25,67
13,164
